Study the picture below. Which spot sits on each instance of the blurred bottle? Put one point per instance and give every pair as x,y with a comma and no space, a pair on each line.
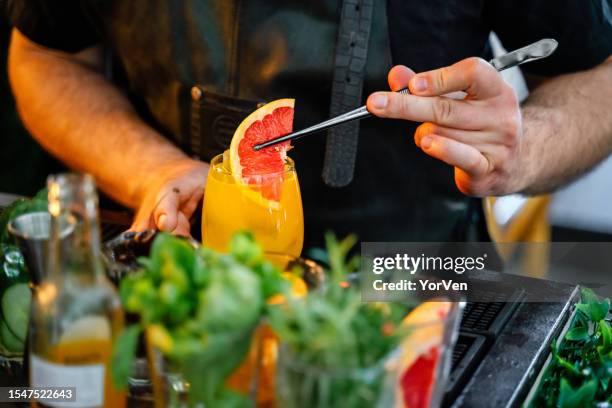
76,312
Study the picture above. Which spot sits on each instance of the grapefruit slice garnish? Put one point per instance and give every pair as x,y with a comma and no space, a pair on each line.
263,170
421,353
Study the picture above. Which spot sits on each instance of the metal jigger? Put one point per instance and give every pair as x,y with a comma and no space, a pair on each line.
32,232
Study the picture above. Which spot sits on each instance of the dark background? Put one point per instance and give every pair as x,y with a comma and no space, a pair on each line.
24,165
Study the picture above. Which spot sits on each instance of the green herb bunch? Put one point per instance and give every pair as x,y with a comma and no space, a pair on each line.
333,345
200,309
580,373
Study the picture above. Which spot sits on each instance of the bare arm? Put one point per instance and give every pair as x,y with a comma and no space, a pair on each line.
497,147
80,117
568,128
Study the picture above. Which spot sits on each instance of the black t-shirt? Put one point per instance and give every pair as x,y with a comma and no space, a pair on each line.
269,49
582,27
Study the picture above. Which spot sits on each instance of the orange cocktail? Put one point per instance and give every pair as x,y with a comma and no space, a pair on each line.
268,205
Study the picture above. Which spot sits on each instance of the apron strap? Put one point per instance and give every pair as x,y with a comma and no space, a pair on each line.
349,69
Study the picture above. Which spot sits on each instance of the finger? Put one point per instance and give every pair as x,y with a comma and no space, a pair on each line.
183,226
142,221
399,77
190,206
479,139
165,213
457,154
472,75
440,110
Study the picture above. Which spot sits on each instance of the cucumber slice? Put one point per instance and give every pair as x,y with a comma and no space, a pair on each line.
16,309
10,342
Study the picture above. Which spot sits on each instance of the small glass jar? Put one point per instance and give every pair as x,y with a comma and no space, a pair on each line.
426,351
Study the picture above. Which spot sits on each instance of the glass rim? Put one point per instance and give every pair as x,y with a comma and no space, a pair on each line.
216,165
448,322
68,222
72,180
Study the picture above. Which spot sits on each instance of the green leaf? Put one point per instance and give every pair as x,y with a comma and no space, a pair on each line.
577,398
208,368
592,306
577,334
600,310
584,308
124,353
272,281
338,252
233,299
588,296
571,368
245,249
606,338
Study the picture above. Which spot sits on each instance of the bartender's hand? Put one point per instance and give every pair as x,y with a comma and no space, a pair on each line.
479,134
170,197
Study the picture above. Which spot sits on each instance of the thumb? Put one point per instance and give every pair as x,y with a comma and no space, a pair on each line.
183,227
165,214
390,105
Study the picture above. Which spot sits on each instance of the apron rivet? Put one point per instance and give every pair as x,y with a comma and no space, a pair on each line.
196,93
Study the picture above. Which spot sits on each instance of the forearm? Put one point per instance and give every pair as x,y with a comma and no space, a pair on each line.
81,118
567,129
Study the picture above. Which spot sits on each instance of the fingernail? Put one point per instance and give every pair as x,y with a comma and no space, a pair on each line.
379,101
426,142
419,84
161,221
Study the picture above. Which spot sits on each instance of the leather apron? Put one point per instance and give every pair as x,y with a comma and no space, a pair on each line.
196,68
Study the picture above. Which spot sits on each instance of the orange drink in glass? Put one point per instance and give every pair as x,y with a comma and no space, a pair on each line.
268,205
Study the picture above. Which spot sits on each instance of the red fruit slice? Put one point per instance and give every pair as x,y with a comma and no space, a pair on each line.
421,352
418,380
262,169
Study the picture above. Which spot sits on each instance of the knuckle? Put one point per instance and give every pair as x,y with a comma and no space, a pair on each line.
478,64
472,66
443,110
509,96
511,127
441,79
473,165
402,104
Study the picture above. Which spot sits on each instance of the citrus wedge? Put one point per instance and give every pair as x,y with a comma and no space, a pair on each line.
421,352
262,170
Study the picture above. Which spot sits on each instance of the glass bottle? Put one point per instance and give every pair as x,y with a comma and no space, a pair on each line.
76,312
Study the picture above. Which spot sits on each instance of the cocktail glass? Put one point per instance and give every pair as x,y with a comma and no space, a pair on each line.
269,205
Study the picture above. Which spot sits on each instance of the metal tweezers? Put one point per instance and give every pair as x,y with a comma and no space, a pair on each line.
532,52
